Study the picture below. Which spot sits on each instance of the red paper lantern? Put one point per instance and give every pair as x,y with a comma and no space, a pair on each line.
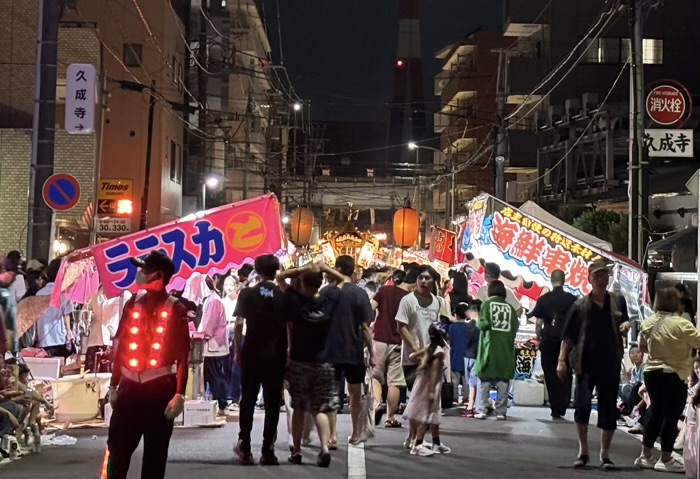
406,226
301,224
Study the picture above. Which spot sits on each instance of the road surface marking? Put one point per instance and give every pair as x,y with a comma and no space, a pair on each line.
357,468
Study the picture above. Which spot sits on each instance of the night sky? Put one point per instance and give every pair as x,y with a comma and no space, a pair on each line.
340,54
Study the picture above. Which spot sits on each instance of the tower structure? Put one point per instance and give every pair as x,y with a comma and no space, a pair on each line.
407,119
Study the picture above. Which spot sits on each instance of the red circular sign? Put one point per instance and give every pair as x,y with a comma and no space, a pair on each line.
666,105
61,192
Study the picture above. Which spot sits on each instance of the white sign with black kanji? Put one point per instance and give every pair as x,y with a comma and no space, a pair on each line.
80,99
669,143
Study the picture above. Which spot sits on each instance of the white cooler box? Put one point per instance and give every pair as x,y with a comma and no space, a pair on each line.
198,413
528,393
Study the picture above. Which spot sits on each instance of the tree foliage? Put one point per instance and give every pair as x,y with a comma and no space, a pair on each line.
606,225
568,212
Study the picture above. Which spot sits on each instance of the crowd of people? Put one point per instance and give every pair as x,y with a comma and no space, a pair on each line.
305,337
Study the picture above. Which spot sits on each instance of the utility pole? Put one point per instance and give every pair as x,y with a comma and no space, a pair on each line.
501,149
202,84
248,126
40,218
149,147
638,167
451,162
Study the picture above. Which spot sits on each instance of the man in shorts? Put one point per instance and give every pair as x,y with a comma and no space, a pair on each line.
311,380
387,370
348,335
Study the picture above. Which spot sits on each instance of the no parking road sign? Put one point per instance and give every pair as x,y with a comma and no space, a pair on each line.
61,192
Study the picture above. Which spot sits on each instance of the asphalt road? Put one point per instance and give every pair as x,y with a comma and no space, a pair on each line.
528,444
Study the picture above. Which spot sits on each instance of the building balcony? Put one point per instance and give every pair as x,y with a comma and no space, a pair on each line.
519,15
465,82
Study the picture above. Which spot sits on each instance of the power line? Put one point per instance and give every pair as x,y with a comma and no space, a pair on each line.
585,130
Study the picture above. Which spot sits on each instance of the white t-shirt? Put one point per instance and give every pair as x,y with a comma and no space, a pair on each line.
418,319
483,295
105,319
18,287
214,325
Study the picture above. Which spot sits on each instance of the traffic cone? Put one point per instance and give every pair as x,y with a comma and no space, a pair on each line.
104,474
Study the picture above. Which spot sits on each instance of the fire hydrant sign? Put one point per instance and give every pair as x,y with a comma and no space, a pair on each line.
666,105
80,99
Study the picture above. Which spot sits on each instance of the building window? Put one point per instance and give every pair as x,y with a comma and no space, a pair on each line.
601,50
132,54
653,51
175,162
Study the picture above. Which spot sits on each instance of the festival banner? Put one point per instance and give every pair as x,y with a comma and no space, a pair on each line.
529,251
208,242
442,245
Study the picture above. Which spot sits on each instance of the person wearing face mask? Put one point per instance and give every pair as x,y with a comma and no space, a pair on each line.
149,375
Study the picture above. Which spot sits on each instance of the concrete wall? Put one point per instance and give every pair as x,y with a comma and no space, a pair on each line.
73,154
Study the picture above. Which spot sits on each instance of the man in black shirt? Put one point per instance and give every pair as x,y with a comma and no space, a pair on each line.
551,310
592,342
262,357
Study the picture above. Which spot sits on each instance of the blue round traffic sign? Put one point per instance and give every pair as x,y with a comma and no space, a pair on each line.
61,192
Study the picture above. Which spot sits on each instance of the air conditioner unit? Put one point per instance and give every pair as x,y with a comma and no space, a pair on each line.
589,102
540,120
554,114
572,107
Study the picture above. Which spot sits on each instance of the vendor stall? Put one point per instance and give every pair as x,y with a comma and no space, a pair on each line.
206,243
528,249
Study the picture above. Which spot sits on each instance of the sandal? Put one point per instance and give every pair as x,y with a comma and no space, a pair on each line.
392,424
582,461
332,445
607,464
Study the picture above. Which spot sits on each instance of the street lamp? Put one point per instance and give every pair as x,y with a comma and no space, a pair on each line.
415,146
297,106
211,182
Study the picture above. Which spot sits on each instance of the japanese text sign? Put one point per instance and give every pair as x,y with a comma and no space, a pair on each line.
80,99
213,242
540,248
669,143
442,245
666,105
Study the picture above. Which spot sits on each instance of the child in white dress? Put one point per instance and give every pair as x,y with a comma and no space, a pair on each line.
689,431
423,409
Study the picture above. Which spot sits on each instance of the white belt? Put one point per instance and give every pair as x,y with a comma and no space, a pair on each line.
149,374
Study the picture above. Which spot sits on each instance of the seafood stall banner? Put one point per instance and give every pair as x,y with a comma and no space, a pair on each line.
529,251
442,245
209,242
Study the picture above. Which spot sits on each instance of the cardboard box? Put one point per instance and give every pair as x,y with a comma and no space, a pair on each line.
199,413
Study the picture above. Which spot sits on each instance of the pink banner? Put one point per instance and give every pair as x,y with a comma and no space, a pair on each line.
210,242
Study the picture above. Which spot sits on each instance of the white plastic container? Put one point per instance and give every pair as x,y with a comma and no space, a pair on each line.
45,368
77,399
528,393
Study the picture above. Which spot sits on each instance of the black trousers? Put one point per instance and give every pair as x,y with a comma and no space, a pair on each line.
668,395
559,392
270,375
140,411
216,374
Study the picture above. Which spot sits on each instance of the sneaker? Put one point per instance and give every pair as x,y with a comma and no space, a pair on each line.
324,459
245,458
421,450
295,459
268,458
628,421
645,462
674,465
441,449
408,443
637,430
501,417
480,415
